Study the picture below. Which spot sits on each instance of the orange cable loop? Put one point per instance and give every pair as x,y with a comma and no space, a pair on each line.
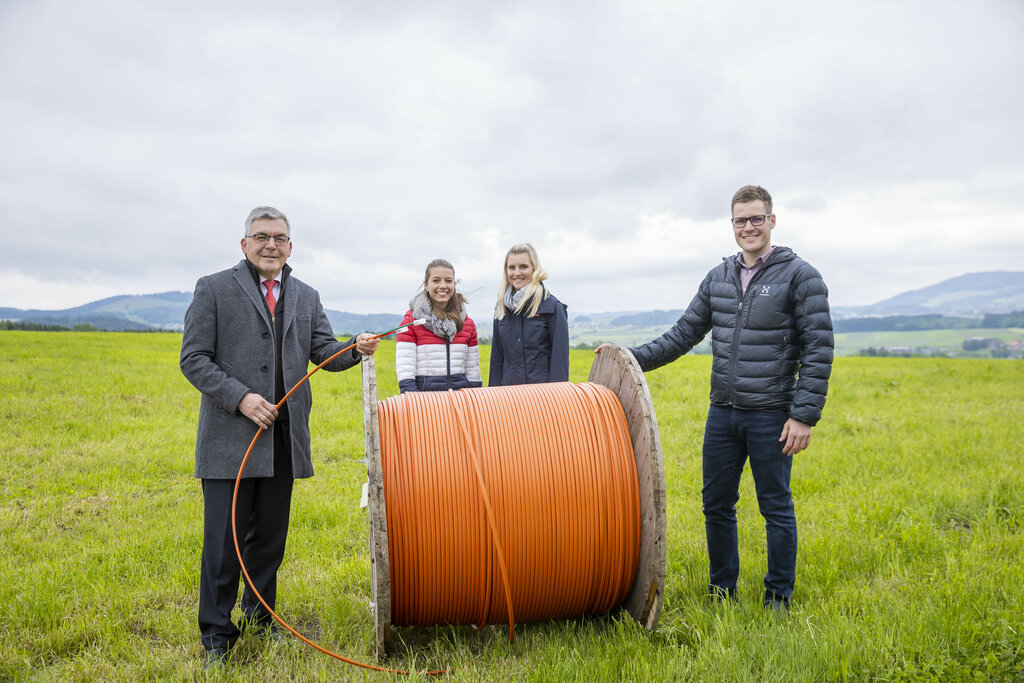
238,551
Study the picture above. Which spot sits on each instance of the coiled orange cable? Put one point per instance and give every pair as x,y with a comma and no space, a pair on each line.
511,503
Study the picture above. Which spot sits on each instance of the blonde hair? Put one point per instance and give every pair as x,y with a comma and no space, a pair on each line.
535,292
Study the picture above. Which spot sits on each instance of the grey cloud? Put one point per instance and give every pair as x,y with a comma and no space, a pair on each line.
392,133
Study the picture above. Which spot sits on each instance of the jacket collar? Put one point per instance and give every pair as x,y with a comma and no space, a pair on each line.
256,295
258,279
777,255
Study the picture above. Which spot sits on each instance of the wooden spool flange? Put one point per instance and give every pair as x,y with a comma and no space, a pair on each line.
614,367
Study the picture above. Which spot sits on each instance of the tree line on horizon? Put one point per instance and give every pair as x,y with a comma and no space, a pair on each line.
929,321
889,323
892,323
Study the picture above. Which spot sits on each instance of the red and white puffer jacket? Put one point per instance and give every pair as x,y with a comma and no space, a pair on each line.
426,362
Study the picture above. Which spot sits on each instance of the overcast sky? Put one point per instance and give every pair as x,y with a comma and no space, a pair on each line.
135,137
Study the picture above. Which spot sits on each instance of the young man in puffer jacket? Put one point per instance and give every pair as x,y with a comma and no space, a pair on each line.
771,338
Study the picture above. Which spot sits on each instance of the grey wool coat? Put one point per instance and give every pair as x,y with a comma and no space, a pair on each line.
228,350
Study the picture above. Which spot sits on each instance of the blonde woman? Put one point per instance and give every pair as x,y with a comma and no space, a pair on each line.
442,353
530,342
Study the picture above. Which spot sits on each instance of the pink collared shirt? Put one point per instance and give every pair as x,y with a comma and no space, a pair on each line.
747,273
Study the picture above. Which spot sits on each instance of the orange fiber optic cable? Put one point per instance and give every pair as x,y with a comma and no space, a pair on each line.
508,504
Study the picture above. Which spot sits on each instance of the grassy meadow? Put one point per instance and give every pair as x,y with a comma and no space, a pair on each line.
910,504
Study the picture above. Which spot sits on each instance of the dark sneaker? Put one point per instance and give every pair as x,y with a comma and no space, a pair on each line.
216,658
266,631
723,594
279,636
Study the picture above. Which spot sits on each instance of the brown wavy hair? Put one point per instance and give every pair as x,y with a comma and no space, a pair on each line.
455,308
751,193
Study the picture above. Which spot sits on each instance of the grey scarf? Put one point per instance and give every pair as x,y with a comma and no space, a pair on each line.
443,328
514,299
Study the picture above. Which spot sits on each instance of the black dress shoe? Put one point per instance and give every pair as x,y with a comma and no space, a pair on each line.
269,632
216,658
279,636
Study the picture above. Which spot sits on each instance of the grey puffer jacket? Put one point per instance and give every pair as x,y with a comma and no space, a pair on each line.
772,348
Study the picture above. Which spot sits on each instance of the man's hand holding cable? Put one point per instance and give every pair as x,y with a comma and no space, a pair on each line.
366,343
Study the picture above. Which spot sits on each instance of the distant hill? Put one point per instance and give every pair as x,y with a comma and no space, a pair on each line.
966,296
971,295
166,311
347,324
975,300
974,295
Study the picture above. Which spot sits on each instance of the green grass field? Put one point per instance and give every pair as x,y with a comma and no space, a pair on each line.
910,505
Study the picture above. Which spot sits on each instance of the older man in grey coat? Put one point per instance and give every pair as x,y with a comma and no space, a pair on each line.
250,333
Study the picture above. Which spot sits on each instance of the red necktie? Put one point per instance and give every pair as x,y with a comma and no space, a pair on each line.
271,301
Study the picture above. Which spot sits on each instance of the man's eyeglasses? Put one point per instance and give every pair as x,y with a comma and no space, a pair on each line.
263,238
756,221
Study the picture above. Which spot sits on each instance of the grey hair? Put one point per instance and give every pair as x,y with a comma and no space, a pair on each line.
265,212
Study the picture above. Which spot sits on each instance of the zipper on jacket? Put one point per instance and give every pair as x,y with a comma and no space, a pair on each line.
739,326
734,351
273,342
277,360
273,337
448,362
735,345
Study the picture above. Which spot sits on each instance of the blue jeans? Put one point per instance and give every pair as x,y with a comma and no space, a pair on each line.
731,436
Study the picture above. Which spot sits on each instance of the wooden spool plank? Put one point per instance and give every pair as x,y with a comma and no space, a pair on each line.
615,368
380,568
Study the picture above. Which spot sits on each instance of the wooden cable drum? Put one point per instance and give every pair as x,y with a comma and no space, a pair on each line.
521,503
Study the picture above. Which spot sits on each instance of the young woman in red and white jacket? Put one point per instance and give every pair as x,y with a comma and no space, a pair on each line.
442,353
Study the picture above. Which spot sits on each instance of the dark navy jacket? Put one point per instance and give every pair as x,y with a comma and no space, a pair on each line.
772,347
531,350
